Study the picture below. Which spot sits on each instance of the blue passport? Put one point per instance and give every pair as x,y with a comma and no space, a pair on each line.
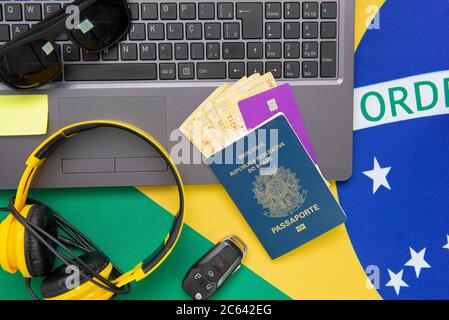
272,180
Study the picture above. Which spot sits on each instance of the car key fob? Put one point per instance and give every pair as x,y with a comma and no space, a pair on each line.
214,268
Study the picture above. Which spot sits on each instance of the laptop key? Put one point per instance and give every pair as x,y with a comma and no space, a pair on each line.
186,71
128,51
310,69
165,51
110,54
212,50
291,69
212,31
187,11
197,51
273,10
275,68
147,51
291,10
273,30
273,50
291,50
175,31
110,72
233,50
13,12
149,11
155,31
134,10
254,67
167,71
18,29
251,14
137,31
4,32
50,8
90,56
225,10
70,52
310,10
181,51
206,10
254,50
310,50
236,70
292,30
168,11
310,30
194,31
231,31
328,59
328,10
211,70
328,30
32,11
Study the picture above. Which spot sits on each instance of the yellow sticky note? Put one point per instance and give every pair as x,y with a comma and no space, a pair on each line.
23,115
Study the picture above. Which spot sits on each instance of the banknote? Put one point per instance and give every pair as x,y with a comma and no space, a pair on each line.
187,124
200,131
215,109
217,121
230,114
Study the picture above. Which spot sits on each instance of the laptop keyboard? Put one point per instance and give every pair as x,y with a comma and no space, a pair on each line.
198,40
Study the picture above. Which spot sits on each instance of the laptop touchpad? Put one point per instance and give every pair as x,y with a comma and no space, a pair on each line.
109,150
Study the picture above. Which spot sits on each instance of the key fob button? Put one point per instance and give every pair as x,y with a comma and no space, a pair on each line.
210,287
212,274
219,263
197,276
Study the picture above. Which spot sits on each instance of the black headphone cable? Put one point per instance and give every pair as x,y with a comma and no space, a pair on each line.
85,271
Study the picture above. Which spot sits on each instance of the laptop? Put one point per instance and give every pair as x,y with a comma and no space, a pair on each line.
174,56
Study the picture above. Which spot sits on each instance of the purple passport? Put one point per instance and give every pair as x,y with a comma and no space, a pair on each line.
259,108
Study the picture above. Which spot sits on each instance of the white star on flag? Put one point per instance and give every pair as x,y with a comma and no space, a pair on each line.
446,246
417,261
379,176
396,281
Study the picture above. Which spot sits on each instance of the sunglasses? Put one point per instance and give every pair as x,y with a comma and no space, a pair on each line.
33,59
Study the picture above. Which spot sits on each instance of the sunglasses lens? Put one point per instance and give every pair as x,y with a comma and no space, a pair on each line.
30,65
102,24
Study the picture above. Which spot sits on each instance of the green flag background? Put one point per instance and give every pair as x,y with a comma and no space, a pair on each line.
129,226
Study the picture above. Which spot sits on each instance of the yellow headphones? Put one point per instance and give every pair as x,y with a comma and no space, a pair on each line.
32,233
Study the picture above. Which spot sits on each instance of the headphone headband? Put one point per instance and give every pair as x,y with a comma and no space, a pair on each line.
45,149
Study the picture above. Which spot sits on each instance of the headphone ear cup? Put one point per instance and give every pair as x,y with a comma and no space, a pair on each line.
39,259
60,284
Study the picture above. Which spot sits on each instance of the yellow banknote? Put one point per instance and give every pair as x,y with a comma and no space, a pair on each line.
200,131
214,109
217,122
186,127
204,136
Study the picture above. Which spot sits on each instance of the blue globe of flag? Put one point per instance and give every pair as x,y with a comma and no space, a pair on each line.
397,200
